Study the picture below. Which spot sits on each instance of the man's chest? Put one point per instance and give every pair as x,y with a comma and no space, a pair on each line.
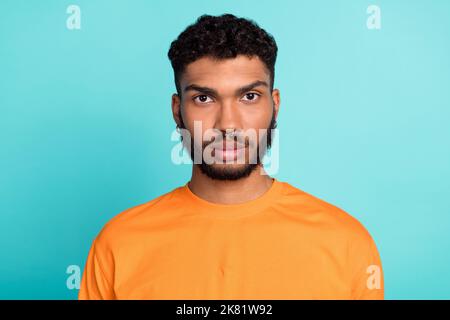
236,265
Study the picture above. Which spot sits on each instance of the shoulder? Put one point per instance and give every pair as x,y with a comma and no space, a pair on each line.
134,218
329,216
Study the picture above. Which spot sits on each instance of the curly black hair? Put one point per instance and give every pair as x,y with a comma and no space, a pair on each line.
222,37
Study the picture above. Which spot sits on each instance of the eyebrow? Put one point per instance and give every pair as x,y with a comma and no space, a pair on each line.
213,92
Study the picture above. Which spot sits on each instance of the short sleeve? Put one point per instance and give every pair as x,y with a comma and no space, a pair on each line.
97,279
367,276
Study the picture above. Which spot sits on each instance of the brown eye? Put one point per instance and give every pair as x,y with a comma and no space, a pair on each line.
251,96
203,98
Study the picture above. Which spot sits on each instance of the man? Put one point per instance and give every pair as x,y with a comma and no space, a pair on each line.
231,232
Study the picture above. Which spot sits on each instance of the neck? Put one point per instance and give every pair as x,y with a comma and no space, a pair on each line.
229,191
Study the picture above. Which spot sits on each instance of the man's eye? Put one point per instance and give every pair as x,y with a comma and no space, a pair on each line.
251,96
203,98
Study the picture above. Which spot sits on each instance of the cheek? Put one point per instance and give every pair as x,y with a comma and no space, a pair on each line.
257,119
259,123
191,116
199,127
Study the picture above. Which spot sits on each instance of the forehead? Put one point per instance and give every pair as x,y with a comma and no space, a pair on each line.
233,71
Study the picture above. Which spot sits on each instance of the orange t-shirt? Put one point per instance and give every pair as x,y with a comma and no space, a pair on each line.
286,244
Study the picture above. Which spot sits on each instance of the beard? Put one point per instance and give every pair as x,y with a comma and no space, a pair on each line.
234,171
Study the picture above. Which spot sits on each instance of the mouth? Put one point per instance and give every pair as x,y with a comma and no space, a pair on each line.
229,151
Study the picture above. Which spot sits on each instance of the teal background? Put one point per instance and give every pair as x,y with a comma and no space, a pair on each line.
85,126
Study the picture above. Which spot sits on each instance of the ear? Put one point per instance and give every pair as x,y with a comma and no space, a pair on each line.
276,101
176,109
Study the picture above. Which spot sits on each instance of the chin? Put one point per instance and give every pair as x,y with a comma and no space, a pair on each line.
228,171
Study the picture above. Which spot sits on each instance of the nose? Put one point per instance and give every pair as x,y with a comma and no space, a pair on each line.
228,117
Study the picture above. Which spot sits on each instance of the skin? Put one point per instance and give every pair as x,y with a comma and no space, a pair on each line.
226,109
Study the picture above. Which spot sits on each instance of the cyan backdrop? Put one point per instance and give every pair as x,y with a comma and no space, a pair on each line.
85,125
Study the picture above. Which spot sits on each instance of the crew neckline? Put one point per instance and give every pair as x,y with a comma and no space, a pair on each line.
207,208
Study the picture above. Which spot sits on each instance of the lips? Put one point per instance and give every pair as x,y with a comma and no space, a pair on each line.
228,154
228,151
229,145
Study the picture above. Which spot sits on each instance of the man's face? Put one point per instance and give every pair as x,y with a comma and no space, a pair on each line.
230,94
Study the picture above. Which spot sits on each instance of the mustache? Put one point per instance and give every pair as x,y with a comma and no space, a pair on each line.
221,141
